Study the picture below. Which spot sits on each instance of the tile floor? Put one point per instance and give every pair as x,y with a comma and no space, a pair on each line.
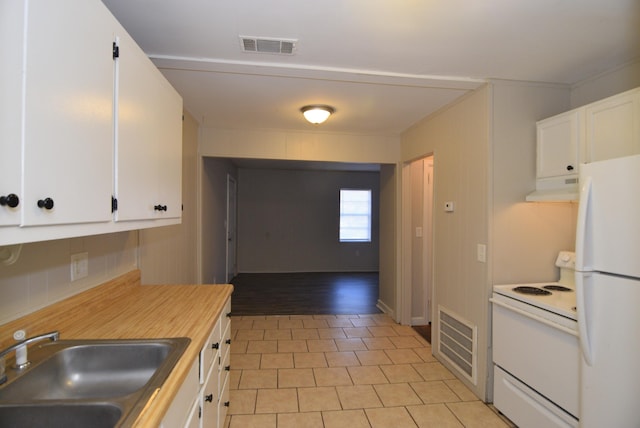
343,371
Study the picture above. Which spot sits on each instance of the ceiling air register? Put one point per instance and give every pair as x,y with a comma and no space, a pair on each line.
268,45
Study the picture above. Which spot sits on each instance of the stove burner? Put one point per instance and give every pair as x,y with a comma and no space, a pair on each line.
556,288
531,290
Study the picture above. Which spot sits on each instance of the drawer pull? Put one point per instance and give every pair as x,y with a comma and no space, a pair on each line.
226,404
215,345
228,341
228,314
209,398
227,368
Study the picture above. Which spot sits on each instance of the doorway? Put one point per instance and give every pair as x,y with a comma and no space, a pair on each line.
417,238
231,226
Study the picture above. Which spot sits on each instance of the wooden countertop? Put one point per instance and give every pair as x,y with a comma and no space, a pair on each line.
125,309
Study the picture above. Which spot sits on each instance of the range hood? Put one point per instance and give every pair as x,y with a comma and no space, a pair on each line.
557,189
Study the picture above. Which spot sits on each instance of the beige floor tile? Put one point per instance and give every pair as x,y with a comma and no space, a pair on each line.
256,379
277,361
277,334
406,342
358,397
242,402
322,345
397,394
403,356
234,379
374,343
383,319
434,415
426,354
262,346
370,358
254,317
249,335
253,421
240,324
345,419
390,417
398,373
304,333
315,323
461,390
366,375
332,376
301,317
265,324
404,330
298,420
239,346
292,378
356,332
302,360
292,346
246,361
433,371
324,317
331,333
318,399
340,322
342,359
435,391
363,322
355,344
277,400
475,414
382,331
290,323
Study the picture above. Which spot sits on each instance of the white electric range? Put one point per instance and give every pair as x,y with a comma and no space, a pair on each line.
535,350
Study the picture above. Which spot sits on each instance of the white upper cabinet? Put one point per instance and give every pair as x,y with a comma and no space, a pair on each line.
60,160
11,28
68,115
613,127
558,145
149,162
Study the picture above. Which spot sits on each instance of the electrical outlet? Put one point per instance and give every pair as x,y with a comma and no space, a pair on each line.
79,266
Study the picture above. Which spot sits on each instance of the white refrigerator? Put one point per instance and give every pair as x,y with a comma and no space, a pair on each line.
608,292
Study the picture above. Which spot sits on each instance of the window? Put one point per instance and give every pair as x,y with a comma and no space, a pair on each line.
355,215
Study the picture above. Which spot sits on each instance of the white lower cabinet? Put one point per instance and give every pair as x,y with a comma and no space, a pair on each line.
203,399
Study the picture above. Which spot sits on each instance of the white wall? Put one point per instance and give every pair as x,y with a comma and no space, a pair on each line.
606,84
388,272
288,221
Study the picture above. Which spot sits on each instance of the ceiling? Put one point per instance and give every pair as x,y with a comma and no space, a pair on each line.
383,65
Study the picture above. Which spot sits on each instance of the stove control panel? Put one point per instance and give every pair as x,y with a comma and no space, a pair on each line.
566,259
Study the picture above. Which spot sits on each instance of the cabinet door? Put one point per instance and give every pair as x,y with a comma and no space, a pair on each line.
558,145
11,28
149,138
68,113
209,403
613,127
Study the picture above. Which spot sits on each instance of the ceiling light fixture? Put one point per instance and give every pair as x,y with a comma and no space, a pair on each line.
317,114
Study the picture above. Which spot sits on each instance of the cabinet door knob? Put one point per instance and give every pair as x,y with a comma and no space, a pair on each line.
215,345
46,203
227,368
10,200
226,404
228,341
208,398
569,167
160,207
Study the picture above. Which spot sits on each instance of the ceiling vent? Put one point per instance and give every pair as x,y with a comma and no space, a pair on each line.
266,45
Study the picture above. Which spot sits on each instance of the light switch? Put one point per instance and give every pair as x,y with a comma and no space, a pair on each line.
79,266
482,253
418,232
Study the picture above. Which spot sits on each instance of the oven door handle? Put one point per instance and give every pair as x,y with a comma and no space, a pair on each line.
534,317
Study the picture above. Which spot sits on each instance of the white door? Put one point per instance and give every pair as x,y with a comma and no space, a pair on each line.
231,227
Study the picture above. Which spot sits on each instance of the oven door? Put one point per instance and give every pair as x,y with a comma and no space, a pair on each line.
538,352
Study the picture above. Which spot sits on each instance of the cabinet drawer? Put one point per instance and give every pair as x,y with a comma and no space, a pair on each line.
223,404
209,400
209,352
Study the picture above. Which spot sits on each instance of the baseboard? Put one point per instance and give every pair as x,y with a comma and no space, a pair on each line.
384,308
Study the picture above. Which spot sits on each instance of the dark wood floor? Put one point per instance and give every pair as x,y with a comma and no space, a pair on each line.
324,293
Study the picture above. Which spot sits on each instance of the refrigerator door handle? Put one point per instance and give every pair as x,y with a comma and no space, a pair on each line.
581,230
583,326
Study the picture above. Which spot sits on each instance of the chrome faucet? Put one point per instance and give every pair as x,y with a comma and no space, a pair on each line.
22,348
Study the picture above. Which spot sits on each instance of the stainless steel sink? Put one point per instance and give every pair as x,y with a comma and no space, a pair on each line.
96,381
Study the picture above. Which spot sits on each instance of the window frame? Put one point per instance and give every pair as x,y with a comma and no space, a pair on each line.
342,214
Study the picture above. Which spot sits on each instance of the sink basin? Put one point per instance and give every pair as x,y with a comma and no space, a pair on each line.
100,381
101,415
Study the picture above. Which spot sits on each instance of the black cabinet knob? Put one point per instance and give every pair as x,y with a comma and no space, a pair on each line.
208,398
215,345
569,167
11,200
160,207
228,341
46,203
227,368
226,404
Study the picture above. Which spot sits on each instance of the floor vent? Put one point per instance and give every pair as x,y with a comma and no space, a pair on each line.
457,343
266,45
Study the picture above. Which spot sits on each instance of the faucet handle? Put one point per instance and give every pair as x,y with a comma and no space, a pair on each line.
21,351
